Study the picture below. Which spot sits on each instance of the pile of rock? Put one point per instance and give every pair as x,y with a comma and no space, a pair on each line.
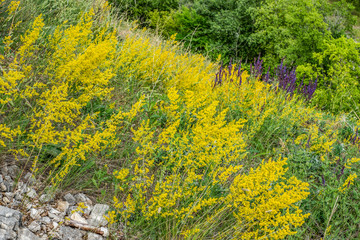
26,216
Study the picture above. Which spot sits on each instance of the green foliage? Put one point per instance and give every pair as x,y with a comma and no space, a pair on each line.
339,18
356,3
338,67
340,59
140,9
297,29
188,26
215,27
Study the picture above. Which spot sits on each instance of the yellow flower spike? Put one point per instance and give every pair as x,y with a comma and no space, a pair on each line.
348,182
13,7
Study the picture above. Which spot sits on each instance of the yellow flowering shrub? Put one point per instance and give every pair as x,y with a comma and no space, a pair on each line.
177,173
54,94
259,200
162,64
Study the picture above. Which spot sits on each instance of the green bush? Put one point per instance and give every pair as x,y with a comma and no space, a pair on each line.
338,65
140,9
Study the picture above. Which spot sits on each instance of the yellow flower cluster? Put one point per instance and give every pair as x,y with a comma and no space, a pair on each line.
13,6
162,64
316,142
8,133
266,202
348,182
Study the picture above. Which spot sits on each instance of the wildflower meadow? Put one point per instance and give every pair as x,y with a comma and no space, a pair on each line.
180,146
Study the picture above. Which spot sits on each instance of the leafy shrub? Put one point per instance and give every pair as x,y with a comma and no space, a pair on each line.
337,66
140,9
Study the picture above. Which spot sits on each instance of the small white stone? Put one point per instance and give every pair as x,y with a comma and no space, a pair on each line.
70,199
80,197
97,216
45,198
2,187
6,200
76,217
18,196
55,217
44,237
34,227
62,206
34,214
94,236
54,211
55,225
105,230
28,205
46,220
8,178
31,194
9,195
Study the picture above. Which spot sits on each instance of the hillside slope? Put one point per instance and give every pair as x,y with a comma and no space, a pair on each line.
180,146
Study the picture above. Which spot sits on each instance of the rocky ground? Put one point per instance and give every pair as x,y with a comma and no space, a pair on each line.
24,215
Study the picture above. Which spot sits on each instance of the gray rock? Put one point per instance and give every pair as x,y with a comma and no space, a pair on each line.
8,178
31,193
15,203
20,184
7,212
55,224
13,171
76,217
26,234
6,200
9,186
44,237
27,204
68,233
70,199
1,178
7,234
97,218
62,206
34,226
80,197
105,230
18,196
45,220
88,209
9,218
23,188
55,215
29,178
9,195
54,211
4,170
3,187
34,213
45,198
94,236
71,209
